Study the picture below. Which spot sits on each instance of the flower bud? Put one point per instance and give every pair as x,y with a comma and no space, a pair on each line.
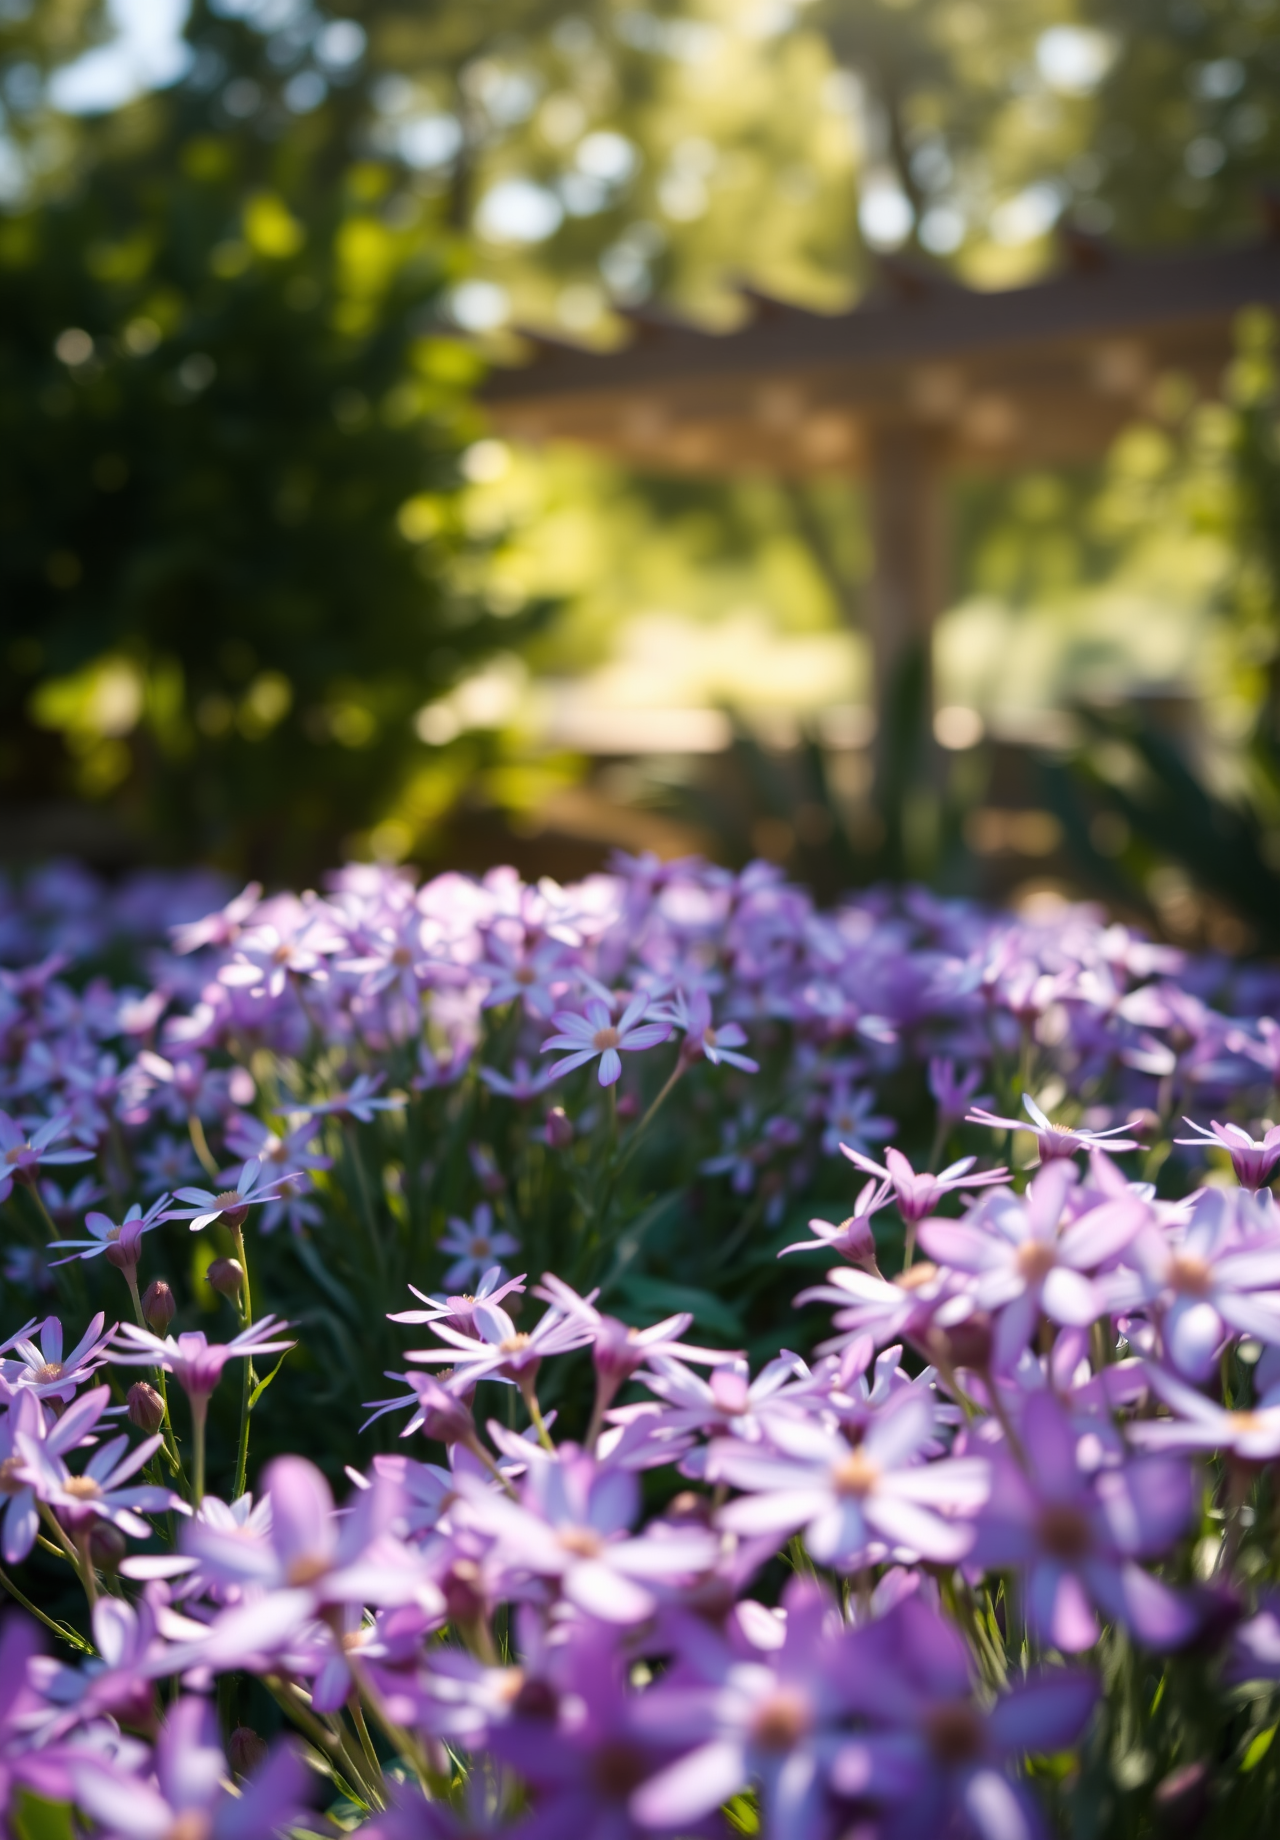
107,1546
559,1128
464,1595
125,1253
158,1307
145,1407
962,1344
616,1352
537,1699
444,1416
246,1750
628,1106
1183,1799
856,1241
226,1276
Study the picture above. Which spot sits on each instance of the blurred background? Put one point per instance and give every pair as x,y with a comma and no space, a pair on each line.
276,590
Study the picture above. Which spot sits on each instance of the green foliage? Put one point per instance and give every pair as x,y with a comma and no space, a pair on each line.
229,421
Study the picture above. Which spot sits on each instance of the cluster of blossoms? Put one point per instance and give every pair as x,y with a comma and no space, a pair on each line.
968,1531
989,1458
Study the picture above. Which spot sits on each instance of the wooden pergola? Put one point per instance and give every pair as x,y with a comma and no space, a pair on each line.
921,378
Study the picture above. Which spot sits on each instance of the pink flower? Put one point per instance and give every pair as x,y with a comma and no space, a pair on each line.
194,1362
919,1194
1056,1140
1253,1160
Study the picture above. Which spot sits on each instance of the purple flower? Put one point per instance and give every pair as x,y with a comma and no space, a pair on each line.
309,1559
692,1016
919,1194
22,1155
1024,1260
253,1187
473,1245
532,975
166,1162
268,957
953,1092
1253,1160
574,1737
728,1403
851,1118
854,1501
360,1101
122,1243
571,1526
195,1362
218,929
778,1719
596,1033
853,1238
188,1797
498,1350
297,1149
459,1311
26,1417
886,1309
50,1374
1077,1536
523,1086
98,1493
1203,1279
1057,1140
933,1759
1203,1424
618,1350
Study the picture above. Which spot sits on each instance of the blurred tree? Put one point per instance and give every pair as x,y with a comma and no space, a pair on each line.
234,566
229,422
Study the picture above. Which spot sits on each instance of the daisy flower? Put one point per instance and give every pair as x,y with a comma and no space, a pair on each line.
596,1033
1056,1140
474,1245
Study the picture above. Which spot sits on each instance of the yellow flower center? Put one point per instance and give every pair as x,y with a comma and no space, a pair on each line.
1036,1259
854,1475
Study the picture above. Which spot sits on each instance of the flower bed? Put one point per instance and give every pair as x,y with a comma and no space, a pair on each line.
465,1204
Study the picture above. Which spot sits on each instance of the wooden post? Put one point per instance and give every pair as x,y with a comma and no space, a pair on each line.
908,591
908,533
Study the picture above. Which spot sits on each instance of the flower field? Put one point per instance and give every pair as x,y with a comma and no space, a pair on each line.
641,1358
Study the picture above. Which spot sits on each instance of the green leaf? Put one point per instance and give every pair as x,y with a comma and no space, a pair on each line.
661,1297
1258,1748
319,1272
632,1237
743,1814
262,1385
36,1819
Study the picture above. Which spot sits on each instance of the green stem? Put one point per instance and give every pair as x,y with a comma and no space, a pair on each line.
535,1413
45,1215
246,1382
131,1279
87,1572
366,1199
199,1412
170,1441
366,1742
285,1696
200,1144
405,1744
649,1117
59,1629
